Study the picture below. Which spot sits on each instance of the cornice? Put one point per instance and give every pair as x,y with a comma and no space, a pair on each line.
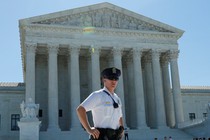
195,87
11,84
11,87
101,31
96,12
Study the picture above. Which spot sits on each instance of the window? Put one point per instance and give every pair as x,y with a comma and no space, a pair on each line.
205,115
40,113
60,113
192,116
14,119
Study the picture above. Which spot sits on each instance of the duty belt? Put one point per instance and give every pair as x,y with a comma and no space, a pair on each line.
109,134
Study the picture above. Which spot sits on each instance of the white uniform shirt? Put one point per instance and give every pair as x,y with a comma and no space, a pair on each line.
103,112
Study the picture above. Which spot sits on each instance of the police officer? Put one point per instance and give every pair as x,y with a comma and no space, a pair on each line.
105,106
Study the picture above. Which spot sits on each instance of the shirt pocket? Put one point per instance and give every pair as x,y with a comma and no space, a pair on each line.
108,109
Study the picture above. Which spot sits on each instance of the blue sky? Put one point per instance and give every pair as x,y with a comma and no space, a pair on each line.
192,16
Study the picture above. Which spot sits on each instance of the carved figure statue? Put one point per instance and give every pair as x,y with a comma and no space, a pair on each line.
124,22
22,108
106,18
29,110
87,20
114,21
132,25
97,19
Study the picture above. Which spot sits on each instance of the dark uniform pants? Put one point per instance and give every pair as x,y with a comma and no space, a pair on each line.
109,134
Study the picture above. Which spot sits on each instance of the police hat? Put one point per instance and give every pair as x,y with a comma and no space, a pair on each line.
111,73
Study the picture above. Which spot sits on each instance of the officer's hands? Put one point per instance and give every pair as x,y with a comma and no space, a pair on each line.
120,133
94,132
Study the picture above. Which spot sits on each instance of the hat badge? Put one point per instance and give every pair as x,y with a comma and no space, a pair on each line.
113,70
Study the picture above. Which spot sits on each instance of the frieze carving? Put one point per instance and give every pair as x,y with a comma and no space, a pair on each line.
103,18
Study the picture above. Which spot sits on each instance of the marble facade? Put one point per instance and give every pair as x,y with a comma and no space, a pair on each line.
63,54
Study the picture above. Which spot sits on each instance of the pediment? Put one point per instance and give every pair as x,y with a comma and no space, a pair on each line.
104,15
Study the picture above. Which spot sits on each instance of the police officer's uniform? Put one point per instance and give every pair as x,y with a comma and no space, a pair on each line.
101,103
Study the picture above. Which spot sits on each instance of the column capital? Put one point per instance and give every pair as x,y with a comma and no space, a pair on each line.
31,47
30,44
173,54
155,54
94,50
117,51
164,59
52,45
137,52
52,48
128,58
147,58
74,50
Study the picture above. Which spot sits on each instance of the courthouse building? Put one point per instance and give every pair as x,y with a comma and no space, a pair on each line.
63,54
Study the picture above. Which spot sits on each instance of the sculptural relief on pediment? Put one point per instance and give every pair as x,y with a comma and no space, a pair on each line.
103,18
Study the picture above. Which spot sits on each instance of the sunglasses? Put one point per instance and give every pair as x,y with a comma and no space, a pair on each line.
112,78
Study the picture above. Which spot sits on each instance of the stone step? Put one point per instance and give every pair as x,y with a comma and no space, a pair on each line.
143,134
160,134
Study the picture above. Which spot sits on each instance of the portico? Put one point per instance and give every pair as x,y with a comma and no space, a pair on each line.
62,64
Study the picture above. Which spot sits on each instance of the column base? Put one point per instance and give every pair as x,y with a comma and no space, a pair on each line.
163,127
77,129
53,129
142,127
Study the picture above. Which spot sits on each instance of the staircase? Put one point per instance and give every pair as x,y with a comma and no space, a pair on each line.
150,134
143,134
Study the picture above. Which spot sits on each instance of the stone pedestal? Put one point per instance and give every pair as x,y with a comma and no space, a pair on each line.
29,130
29,124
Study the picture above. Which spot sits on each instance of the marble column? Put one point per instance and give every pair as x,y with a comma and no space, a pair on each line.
158,88
138,89
75,86
117,55
53,124
95,68
168,96
30,71
150,96
179,117
130,104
